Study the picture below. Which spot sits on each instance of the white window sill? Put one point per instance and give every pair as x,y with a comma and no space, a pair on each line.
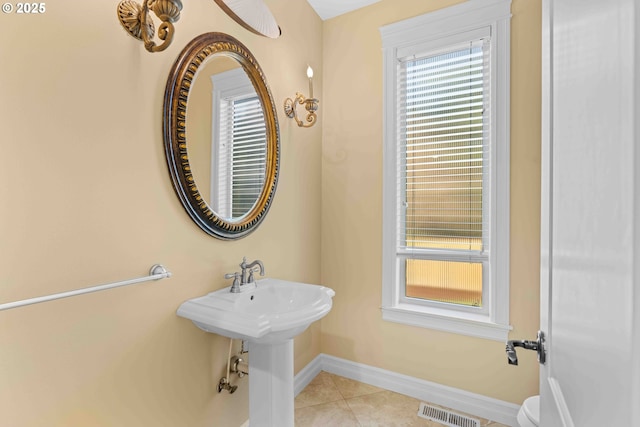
469,324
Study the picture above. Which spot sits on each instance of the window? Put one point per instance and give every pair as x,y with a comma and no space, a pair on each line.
446,170
240,144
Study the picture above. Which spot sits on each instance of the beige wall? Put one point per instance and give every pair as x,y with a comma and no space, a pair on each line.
86,199
352,219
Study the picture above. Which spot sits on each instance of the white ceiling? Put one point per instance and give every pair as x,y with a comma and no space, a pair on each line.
328,9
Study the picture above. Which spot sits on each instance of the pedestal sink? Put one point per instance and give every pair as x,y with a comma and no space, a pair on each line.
268,314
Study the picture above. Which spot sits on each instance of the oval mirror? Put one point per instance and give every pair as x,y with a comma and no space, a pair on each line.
221,136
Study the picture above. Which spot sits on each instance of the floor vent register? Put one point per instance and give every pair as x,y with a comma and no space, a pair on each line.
448,418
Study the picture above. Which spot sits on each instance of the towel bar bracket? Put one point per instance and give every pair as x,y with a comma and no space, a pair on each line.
157,269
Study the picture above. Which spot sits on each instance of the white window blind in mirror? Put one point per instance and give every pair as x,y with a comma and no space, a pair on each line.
243,146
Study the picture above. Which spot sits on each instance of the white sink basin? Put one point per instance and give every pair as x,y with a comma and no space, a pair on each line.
268,315
270,312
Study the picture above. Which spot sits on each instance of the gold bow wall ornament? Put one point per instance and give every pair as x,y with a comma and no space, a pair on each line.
136,20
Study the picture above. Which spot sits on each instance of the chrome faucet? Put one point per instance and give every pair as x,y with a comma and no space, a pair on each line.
245,276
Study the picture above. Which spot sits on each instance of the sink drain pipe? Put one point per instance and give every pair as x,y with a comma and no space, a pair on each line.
239,366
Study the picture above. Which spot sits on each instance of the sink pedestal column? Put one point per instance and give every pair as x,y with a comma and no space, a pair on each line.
271,393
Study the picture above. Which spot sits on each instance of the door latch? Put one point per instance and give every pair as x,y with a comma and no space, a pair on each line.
537,345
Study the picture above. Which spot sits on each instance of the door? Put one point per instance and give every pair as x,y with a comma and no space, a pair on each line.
590,214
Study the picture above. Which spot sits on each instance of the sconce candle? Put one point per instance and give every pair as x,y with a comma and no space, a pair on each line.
310,104
310,75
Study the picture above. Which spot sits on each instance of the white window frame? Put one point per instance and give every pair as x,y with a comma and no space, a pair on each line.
426,33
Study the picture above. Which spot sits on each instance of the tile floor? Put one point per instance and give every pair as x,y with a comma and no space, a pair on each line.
333,401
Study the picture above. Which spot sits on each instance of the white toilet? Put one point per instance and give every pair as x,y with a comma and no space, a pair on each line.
529,413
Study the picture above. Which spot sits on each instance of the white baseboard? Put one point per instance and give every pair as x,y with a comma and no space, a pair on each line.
453,398
308,373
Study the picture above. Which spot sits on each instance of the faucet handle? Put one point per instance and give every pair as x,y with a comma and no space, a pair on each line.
235,287
251,279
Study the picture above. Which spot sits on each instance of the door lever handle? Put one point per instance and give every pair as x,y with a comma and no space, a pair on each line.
537,345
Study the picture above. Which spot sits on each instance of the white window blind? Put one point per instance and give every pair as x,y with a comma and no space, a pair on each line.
443,155
243,146
442,148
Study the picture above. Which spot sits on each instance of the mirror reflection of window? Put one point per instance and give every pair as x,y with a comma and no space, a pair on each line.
243,149
240,141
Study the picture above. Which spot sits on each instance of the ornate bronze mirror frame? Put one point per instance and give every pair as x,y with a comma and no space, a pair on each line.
176,98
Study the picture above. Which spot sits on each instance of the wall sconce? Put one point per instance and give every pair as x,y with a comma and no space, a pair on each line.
310,104
136,21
